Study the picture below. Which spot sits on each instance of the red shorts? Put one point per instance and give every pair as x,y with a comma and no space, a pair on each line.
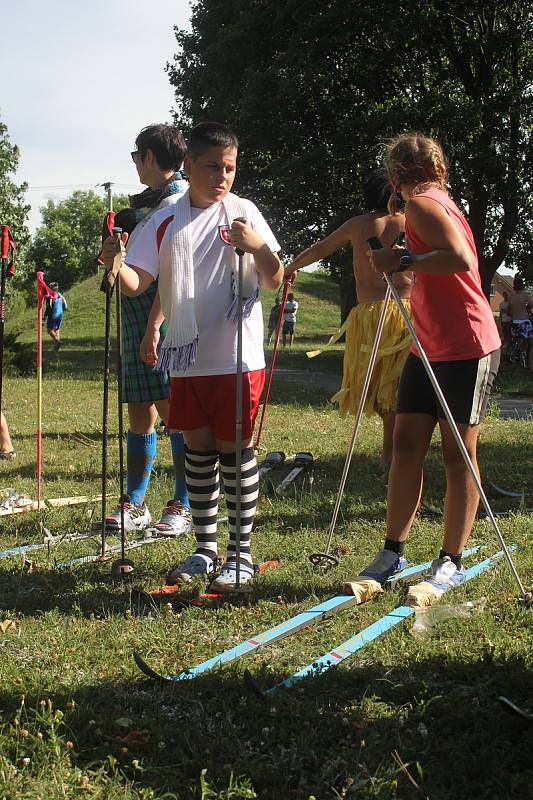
209,400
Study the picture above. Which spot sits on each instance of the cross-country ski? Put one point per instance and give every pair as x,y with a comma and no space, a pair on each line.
313,615
343,651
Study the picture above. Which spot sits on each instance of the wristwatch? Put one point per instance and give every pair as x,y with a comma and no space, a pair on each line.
406,261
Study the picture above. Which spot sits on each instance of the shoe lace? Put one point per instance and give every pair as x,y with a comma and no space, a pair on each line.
175,507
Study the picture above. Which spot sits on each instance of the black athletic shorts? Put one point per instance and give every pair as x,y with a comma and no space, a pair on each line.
466,386
288,327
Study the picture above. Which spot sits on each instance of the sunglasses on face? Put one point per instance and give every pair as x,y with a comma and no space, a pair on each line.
135,155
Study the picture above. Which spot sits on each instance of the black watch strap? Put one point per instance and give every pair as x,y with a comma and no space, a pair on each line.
406,261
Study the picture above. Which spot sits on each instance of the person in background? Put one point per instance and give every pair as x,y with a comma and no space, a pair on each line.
505,319
361,324
289,319
158,157
53,315
273,319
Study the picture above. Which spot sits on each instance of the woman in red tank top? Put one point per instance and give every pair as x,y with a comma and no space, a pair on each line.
456,329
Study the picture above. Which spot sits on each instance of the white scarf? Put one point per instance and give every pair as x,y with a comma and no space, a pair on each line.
176,287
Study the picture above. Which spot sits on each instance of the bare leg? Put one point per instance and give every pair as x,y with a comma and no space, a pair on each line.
142,417
5,439
411,439
388,430
462,498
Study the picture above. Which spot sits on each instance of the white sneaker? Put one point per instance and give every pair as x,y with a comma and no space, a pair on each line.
226,581
195,565
136,517
176,519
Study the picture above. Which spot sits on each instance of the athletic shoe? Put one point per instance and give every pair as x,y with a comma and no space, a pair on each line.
385,564
136,517
193,566
441,576
7,456
226,581
175,520
57,344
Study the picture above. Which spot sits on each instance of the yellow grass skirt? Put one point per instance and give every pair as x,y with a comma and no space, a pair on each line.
360,329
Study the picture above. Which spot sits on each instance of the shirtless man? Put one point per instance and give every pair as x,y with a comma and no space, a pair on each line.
361,324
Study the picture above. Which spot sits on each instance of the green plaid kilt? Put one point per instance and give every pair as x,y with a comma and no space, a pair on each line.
140,382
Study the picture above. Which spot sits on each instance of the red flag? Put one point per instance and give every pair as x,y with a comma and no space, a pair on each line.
43,291
7,244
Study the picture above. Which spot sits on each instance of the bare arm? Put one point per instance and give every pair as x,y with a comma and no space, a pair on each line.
148,347
267,263
322,249
434,226
133,280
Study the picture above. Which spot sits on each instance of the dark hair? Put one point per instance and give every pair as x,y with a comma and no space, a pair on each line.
210,134
518,283
377,190
166,143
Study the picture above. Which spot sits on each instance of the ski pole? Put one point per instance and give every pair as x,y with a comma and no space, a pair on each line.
288,284
105,400
325,559
238,415
525,597
123,567
43,293
6,242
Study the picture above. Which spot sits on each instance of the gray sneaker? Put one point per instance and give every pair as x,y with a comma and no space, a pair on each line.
136,517
385,564
175,520
226,581
193,566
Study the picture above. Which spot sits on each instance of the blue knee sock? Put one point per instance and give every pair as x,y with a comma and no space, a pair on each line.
178,457
141,450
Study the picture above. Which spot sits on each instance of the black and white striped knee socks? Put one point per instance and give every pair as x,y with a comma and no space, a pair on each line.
249,494
201,473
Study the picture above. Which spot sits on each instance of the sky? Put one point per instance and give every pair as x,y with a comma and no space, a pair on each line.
78,82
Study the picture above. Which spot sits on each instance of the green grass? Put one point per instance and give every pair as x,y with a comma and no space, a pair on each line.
78,719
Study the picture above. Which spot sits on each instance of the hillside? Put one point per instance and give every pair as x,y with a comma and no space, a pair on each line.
83,326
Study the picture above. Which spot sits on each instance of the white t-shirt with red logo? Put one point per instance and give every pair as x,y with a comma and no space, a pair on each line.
213,266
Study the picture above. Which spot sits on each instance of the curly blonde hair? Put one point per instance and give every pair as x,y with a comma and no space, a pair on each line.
415,160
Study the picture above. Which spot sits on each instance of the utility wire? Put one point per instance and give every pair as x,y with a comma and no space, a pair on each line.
77,185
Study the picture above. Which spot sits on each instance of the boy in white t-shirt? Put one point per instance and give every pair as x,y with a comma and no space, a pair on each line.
191,247
289,319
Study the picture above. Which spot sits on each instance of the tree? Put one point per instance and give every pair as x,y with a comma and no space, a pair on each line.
313,90
67,243
13,210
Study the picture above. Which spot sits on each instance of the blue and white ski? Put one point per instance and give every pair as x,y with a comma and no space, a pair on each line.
315,614
356,642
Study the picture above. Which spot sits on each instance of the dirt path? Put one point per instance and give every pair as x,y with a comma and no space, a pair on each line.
510,407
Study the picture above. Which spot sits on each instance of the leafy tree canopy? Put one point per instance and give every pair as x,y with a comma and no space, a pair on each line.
13,209
69,239
313,90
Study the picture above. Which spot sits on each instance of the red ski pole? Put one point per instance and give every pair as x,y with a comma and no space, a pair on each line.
43,293
286,288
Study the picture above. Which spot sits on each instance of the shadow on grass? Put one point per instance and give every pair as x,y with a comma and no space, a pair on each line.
333,736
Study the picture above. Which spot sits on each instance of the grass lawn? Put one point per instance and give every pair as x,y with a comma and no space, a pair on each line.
401,719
